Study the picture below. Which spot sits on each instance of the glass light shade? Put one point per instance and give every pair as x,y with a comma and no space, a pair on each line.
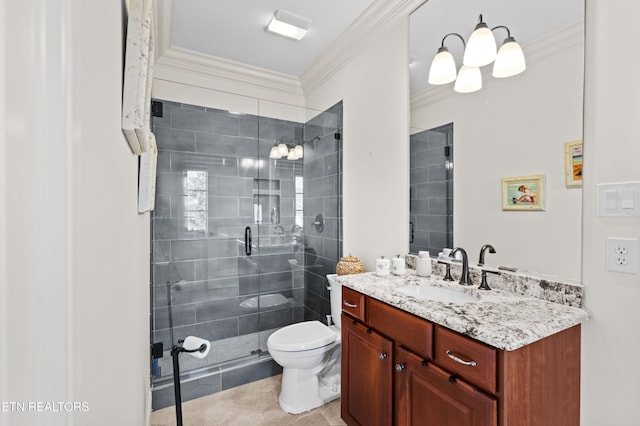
469,80
443,68
275,152
481,48
292,154
510,60
283,150
299,151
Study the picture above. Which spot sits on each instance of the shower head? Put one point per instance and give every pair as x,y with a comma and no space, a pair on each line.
313,142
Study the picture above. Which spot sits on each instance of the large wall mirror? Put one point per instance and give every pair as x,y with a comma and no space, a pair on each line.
512,127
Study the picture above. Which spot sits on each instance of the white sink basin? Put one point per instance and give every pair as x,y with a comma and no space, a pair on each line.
437,294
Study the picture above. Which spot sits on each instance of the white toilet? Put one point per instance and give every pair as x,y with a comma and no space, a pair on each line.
309,353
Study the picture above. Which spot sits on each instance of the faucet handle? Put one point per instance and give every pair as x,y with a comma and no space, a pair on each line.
483,283
447,275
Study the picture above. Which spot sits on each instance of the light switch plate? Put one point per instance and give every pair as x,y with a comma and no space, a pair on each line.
618,199
622,255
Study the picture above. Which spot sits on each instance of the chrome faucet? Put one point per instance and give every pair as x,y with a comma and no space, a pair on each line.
482,252
465,278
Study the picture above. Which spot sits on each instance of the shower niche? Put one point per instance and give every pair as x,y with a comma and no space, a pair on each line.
266,201
227,232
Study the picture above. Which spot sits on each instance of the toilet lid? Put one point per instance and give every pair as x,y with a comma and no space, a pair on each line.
302,336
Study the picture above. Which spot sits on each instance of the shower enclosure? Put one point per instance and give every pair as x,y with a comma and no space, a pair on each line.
246,226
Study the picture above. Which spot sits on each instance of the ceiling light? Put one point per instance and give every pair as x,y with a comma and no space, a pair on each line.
479,51
299,151
288,24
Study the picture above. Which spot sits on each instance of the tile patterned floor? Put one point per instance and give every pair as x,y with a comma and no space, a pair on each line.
248,405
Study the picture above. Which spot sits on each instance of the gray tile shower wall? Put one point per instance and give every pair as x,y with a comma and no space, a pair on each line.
201,273
323,196
431,188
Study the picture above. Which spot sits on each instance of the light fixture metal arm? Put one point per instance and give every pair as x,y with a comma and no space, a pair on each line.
454,34
502,26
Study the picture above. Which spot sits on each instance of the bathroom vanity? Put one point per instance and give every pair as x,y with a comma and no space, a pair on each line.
499,359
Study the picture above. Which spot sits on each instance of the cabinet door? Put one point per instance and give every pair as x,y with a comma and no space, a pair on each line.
426,395
367,373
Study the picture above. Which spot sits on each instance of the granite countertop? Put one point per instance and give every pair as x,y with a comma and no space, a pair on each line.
500,318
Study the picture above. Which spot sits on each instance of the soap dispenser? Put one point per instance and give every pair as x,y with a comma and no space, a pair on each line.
383,267
423,264
398,266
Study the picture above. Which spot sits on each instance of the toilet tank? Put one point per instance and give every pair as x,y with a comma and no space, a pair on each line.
336,298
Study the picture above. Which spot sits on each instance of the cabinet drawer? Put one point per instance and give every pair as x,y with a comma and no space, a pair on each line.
353,303
471,360
409,330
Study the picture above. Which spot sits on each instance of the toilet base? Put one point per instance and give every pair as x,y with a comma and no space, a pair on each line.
302,391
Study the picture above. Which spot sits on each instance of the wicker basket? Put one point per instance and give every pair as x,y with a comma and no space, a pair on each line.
349,265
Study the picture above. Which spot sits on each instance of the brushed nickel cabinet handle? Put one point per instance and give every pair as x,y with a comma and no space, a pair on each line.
399,368
382,356
460,360
349,305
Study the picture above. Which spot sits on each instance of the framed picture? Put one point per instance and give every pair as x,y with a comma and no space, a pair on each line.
573,164
523,193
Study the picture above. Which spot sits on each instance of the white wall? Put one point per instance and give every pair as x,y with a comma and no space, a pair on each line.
374,88
610,388
516,127
76,259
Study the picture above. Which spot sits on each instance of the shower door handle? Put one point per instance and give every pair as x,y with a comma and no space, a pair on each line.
411,231
247,241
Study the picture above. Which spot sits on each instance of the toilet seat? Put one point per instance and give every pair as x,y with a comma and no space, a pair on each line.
302,336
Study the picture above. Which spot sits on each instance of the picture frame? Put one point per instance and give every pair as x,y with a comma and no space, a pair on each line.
524,193
573,164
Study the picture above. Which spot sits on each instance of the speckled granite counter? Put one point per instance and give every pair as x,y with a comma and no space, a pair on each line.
500,318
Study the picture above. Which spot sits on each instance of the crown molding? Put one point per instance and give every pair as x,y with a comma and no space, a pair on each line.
377,20
549,44
170,59
212,67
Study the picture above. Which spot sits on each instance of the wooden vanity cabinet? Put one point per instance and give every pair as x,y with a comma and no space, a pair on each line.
398,369
428,395
367,385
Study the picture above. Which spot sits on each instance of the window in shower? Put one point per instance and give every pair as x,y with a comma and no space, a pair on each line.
195,200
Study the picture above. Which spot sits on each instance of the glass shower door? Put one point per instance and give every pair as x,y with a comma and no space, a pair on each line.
242,237
202,268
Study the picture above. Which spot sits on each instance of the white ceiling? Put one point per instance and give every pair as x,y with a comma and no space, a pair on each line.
234,29
527,20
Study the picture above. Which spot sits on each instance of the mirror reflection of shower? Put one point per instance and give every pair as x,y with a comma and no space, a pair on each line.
431,190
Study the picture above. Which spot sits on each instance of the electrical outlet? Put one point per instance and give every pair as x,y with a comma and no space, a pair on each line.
622,255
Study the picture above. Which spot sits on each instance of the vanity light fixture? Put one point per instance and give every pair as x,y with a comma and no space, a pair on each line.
282,150
288,24
478,52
